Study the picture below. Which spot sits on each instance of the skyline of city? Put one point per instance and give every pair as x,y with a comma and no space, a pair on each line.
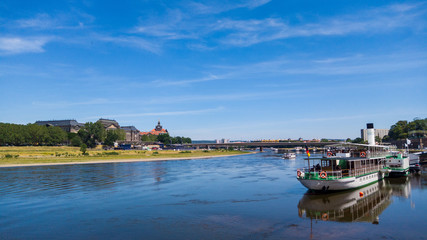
257,69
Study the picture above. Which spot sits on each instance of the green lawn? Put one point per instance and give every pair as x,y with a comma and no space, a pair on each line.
34,155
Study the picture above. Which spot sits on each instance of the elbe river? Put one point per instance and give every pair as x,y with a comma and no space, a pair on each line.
241,197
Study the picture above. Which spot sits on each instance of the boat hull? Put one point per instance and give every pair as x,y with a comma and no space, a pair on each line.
341,184
399,172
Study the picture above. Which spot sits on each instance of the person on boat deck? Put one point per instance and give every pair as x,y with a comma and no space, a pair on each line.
318,167
338,167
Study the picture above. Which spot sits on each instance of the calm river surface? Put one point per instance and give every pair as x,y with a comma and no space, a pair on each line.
242,197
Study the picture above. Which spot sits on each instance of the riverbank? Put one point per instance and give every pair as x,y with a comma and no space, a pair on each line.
42,156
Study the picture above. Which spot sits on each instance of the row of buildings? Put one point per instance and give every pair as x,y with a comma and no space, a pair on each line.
132,133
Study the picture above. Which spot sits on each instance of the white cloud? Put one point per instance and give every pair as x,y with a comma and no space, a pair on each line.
213,7
39,21
162,83
61,104
17,45
43,21
201,28
132,41
248,32
169,113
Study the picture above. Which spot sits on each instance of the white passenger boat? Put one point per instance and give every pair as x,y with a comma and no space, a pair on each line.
289,155
345,166
398,164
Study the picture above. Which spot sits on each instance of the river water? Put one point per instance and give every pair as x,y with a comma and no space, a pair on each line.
241,197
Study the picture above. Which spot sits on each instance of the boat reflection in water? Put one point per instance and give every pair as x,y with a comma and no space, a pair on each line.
360,205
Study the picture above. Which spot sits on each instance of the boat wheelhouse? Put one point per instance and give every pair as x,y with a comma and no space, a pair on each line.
344,166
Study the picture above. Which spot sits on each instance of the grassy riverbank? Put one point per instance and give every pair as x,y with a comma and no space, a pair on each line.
46,155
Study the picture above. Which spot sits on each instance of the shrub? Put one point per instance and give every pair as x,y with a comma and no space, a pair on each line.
111,153
83,149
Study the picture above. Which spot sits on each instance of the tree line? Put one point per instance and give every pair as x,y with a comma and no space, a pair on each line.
404,129
30,134
92,134
89,135
165,139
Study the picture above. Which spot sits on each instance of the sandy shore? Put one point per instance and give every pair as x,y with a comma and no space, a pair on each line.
117,161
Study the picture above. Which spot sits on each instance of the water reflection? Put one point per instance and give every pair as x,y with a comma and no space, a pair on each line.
361,205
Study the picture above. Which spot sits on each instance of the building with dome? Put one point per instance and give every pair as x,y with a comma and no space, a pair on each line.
158,130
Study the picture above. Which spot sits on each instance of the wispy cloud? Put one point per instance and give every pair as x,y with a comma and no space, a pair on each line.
42,21
167,113
132,41
56,104
178,24
213,7
248,32
17,45
163,83
339,65
191,21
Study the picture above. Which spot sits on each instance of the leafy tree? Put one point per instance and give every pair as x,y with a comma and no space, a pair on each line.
76,141
113,136
149,138
348,140
92,133
399,130
30,134
83,149
404,129
164,138
358,140
56,136
386,138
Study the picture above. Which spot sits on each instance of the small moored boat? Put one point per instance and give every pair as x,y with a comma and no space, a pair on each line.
398,163
289,155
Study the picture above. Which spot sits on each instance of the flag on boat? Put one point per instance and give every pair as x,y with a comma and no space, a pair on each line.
306,150
408,141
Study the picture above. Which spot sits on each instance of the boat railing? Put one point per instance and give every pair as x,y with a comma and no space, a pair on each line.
377,154
337,174
316,174
362,171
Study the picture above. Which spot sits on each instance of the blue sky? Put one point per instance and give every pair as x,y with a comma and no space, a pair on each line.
254,69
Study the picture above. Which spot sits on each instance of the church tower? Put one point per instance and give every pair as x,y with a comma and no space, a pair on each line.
159,127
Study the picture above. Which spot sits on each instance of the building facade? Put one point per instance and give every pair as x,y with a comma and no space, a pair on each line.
158,130
132,134
223,140
109,124
378,133
71,126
